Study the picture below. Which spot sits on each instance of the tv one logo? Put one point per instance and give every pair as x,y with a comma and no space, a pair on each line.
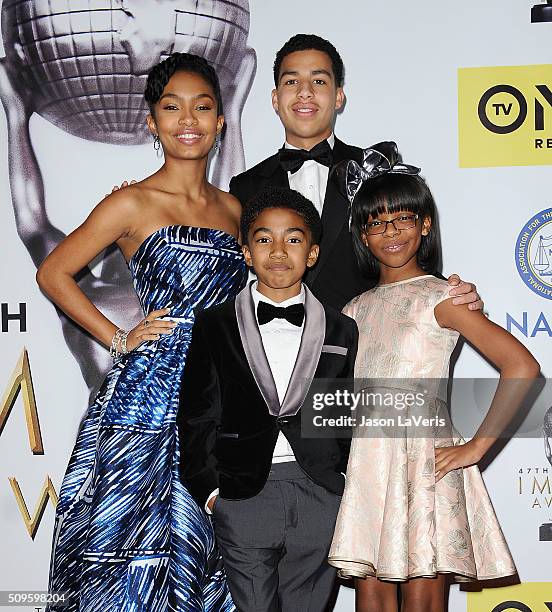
502,120
505,116
525,597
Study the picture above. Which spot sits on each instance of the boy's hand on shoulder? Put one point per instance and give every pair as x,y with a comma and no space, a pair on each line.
464,293
122,186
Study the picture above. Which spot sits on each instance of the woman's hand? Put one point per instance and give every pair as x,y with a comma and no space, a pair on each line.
151,328
449,458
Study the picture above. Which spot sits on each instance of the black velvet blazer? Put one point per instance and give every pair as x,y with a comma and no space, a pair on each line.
229,416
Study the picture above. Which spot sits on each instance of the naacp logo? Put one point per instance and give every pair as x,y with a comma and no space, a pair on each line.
534,253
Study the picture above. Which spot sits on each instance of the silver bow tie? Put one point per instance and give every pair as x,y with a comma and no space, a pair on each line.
381,158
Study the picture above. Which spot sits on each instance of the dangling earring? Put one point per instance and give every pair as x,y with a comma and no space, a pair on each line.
216,146
157,145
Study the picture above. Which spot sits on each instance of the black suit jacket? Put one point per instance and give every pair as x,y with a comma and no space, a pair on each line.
336,278
226,421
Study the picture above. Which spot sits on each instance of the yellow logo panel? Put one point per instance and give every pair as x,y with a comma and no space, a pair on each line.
505,116
526,597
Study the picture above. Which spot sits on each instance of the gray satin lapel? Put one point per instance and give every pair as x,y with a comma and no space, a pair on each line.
312,340
254,350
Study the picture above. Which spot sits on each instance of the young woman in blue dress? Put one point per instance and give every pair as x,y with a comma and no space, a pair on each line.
128,536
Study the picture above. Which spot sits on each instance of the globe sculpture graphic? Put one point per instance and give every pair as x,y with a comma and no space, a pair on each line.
86,61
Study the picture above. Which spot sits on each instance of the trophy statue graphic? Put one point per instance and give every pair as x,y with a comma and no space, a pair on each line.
545,530
82,65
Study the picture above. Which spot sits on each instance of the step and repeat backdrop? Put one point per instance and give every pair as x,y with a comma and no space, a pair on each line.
465,91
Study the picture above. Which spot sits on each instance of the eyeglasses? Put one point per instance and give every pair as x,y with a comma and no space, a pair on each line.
402,222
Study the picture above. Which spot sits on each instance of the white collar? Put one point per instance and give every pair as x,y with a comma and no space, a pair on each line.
259,297
330,140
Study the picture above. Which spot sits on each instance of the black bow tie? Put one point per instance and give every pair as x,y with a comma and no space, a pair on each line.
294,313
292,159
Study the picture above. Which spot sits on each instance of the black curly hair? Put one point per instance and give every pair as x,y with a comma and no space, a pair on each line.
180,62
279,197
306,42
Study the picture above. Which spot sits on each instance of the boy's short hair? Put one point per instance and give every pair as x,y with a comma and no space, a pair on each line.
306,42
279,197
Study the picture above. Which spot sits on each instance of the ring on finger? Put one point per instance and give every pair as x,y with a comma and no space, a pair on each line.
146,322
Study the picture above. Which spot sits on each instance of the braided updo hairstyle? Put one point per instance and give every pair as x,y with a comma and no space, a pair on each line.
180,62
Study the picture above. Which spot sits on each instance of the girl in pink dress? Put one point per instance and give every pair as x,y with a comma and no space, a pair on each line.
415,506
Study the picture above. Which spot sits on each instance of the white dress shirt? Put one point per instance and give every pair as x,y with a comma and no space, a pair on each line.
281,341
311,179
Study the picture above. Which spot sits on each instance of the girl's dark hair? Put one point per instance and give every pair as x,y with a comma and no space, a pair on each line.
180,62
392,193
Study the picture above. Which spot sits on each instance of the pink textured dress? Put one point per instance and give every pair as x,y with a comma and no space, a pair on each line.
395,521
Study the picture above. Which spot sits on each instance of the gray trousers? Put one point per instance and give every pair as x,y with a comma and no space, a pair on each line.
275,545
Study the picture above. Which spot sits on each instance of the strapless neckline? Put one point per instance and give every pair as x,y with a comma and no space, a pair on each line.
148,238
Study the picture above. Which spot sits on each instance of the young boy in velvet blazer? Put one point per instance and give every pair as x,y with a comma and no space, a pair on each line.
274,494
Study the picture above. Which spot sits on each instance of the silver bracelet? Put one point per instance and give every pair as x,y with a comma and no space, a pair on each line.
123,342
118,344
114,342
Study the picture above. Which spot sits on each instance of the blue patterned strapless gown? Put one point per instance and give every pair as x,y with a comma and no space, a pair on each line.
128,536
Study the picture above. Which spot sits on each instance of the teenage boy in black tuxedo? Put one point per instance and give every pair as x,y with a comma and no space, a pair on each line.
308,93
274,495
